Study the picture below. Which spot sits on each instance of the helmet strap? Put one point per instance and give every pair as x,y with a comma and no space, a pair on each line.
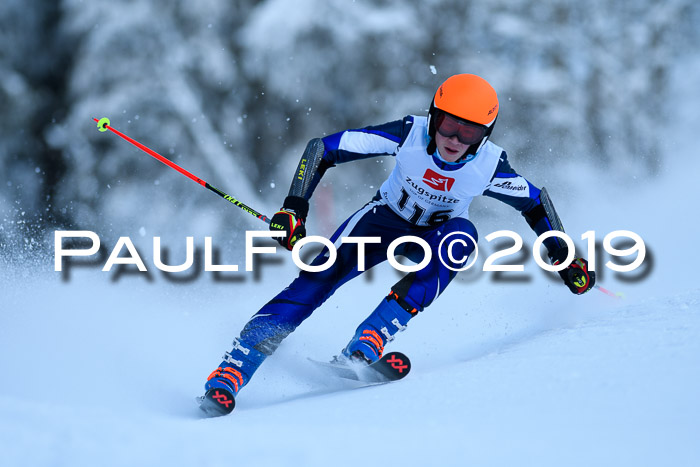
432,147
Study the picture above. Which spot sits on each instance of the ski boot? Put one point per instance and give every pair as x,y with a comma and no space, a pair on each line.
380,327
232,374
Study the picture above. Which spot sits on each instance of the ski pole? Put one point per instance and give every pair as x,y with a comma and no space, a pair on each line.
103,125
617,295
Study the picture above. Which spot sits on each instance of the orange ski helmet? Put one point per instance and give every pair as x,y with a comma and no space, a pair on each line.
468,98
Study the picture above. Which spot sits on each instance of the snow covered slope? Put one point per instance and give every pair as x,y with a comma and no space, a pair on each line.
95,373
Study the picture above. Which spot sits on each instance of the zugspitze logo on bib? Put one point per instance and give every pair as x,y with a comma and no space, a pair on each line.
437,181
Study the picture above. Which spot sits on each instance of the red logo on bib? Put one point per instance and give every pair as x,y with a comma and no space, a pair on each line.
437,181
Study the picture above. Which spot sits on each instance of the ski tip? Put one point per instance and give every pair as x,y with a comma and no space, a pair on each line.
102,124
394,365
217,402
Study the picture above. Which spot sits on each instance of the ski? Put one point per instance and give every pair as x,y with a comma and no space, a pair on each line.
216,402
393,366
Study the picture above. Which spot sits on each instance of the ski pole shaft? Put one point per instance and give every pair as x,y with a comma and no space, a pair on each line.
608,293
103,124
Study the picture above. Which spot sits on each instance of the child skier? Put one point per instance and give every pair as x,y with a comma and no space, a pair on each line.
443,161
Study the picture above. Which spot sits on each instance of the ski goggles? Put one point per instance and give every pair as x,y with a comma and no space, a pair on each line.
466,132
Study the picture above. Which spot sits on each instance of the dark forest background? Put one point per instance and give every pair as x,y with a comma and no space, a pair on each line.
232,91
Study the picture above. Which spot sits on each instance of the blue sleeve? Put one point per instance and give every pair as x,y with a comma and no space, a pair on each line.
362,143
513,189
371,141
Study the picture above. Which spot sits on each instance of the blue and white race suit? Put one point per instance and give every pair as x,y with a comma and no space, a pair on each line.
424,196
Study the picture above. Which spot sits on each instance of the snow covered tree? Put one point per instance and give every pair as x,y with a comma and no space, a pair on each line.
233,90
